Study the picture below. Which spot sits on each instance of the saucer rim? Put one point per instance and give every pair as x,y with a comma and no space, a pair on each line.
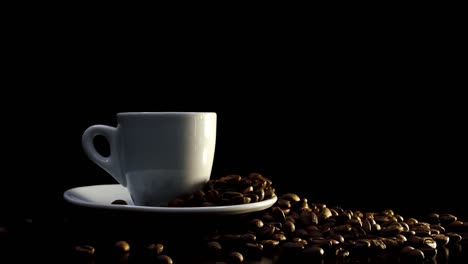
226,209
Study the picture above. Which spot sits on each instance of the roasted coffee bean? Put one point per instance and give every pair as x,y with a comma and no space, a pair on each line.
289,227
235,257
230,178
411,221
342,229
291,197
268,218
454,237
325,213
214,247
278,237
267,231
438,227
156,248
313,252
283,204
441,239
122,246
164,259
433,218
336,237
253,250
446,219
407,249
229,195
391,242
255,224
247,189
429,241
84,250
392,230
253,197
428,251
434,231
416,255
212,196
121,202
292,248
248,238
278,214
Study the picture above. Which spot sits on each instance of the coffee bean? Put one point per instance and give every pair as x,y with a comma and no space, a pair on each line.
446,219
433,218
313,252
156,248
411,221
164,259
278,214
283,204
253,197
84,250
248,238
290,197
428,251
278,237
292,248
120,202
441,239
235,257
230,178
122,246
289,227
267,231
255,224
454,237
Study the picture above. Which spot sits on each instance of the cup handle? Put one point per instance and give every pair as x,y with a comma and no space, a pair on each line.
111,163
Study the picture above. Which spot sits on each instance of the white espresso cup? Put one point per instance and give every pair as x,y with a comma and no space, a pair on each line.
157,155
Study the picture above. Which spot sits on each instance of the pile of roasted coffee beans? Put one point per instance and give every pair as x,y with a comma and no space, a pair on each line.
228,190
294,229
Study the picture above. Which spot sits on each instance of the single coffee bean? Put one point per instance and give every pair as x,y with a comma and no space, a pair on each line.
278,214
156,248
267,231
278,237
248,238
428,251
438,227
406,250
255,224
446,219
290,248
235,257
454,237
120,202
122,246
313,252
441,239
164,259
84,250
433,218
291,197
230,178
283,204
416,255
289,227
411,221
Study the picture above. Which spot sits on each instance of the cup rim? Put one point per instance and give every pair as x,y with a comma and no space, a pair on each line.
161,113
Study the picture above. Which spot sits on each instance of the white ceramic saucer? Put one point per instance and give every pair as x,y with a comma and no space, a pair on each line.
102,196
